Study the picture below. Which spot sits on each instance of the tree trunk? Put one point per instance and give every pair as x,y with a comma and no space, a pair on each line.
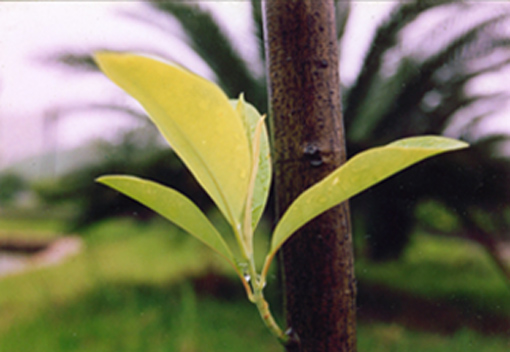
308,141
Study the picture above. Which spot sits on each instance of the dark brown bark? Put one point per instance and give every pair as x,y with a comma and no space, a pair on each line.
308,141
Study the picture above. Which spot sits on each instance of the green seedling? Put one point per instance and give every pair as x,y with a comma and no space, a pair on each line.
224,143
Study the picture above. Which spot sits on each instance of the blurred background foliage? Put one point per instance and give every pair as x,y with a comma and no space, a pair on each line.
139,152
419,76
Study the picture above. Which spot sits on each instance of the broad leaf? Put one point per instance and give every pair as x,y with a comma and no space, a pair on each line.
250,117
197,120
359,173
172,205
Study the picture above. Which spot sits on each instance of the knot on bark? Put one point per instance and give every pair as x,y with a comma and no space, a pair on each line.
313,155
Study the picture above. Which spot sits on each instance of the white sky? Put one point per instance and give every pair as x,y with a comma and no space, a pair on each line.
29,88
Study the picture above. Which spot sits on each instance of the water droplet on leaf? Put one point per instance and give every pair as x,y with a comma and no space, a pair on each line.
244,270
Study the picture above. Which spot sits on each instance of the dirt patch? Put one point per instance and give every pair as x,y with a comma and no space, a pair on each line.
19,255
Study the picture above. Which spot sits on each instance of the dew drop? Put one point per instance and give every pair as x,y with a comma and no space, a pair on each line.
244,270
247,277
335,181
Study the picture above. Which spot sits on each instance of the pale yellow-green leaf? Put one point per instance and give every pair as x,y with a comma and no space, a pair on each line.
250,117
359,173
197,120
172,205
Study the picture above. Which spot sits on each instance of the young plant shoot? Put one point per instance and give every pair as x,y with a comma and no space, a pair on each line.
224,143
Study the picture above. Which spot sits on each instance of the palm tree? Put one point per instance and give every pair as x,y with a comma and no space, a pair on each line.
424,96
399,93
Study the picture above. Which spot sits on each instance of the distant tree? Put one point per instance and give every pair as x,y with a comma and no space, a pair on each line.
11,186
426,94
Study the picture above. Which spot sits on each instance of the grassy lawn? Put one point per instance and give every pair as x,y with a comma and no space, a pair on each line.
32,228
130,290
34,222
396,338
448,269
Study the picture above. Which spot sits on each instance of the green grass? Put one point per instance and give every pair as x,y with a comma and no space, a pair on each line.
151,318
450,269
142,318
156,253
30,228
129,290
396,338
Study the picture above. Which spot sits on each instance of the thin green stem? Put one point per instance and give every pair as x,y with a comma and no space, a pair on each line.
265,268
246,284
243,268
257,283
268,318
254,283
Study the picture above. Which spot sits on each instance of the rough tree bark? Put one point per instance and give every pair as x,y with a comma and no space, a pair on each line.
308,141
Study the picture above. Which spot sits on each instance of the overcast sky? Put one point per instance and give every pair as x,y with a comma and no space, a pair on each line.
30,87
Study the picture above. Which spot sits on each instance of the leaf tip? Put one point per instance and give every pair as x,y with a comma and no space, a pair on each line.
101,179
108,179
102,58
110,62
431,142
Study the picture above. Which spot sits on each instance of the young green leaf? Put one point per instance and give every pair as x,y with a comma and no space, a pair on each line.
359,173
195,117
174,206
251,117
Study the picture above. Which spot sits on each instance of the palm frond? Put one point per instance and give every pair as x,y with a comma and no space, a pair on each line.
386,37
393,105
342,12
256,11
